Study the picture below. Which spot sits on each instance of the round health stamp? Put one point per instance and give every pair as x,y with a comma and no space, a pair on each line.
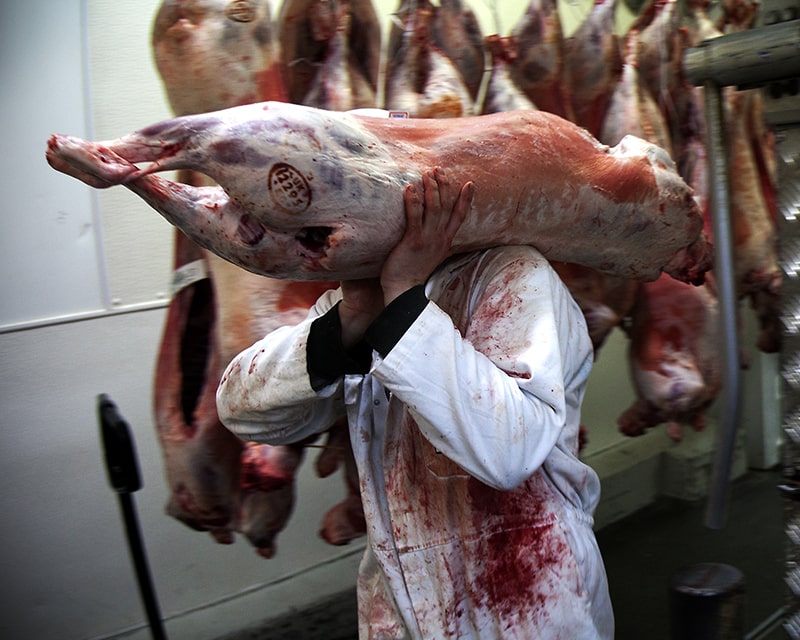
289,189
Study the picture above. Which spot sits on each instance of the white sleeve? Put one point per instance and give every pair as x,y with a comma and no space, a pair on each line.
495,400
265,393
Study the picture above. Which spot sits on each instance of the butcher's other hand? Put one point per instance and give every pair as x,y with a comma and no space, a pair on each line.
362,301
432,220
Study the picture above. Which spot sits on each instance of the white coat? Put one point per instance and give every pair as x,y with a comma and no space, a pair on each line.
465,434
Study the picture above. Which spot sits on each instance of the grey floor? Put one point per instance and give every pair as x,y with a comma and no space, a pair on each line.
642,553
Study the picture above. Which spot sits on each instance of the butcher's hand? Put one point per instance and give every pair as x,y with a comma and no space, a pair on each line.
432,220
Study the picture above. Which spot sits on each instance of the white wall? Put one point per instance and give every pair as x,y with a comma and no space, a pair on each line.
85,276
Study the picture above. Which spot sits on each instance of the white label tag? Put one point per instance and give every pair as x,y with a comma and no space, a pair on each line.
188,274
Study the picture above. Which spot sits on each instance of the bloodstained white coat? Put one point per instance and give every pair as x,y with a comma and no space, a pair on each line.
479,512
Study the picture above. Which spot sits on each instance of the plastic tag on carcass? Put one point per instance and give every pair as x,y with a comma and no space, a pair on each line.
187,274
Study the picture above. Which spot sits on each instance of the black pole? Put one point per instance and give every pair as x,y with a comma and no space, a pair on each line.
123,475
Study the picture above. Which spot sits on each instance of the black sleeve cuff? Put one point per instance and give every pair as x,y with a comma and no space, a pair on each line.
387,329
326,358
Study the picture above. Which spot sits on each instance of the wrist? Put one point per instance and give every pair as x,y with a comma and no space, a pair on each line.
393,290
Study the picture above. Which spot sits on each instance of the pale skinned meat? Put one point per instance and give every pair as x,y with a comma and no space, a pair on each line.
660,44
632,108
754,223
751,166
538,68
673,356
308,194
217,485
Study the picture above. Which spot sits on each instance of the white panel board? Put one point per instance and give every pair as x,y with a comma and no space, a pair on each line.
48,242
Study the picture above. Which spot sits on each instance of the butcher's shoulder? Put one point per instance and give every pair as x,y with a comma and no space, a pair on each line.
490,271
513,264
502,256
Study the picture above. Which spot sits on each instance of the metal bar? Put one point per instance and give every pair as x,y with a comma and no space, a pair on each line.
124,477
145,580
729,399
747,58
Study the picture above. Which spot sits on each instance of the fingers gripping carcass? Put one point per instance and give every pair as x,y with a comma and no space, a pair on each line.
309,194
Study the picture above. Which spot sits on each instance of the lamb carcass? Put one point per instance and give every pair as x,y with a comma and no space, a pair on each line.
502,93
420,79
592,65
213,54
674,357
339,84
308,194
218,309
457,33
201,457
305,48
538,68
217,484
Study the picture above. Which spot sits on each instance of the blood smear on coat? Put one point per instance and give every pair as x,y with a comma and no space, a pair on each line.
523,567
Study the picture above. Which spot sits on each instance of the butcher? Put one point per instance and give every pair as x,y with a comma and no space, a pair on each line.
462,379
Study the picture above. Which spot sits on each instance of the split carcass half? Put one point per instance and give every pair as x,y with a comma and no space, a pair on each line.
218,484
309,194
201,457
